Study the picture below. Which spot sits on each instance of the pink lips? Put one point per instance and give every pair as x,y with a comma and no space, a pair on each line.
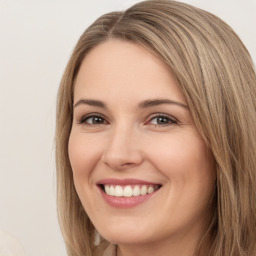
124,182
125,202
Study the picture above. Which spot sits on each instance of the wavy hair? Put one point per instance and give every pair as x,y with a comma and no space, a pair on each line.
217,77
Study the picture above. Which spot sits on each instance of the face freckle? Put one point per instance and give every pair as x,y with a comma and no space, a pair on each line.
133,133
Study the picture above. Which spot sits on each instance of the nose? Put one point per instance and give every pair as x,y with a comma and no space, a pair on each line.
123,150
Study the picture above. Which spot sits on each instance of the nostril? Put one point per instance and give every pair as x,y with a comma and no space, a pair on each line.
121,155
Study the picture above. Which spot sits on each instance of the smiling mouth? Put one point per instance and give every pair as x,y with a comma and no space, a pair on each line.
128,190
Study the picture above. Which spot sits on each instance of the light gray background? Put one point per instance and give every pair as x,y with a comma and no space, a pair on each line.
36,39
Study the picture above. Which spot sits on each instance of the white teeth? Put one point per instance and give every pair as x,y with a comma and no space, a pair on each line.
107,189
119,191
150,189
136,191
111,191
143,190
129,191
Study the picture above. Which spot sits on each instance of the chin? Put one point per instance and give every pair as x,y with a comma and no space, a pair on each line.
127,239
124,236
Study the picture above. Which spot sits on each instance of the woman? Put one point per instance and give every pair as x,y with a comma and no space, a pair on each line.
155,136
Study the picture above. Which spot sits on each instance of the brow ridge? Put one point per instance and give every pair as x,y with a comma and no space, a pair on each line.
141,105
156,102
91,102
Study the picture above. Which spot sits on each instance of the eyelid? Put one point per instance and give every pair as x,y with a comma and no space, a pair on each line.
90,115
155,115
173,120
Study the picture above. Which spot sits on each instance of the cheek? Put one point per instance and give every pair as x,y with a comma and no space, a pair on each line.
83,155
188,167
185,162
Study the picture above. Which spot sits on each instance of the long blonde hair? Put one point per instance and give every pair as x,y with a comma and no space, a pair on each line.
218,79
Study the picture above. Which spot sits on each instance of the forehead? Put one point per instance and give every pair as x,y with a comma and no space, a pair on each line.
118,67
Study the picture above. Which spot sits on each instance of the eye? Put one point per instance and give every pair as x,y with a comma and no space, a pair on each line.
93,119
162,120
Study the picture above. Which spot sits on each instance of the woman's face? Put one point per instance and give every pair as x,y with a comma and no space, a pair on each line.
140,166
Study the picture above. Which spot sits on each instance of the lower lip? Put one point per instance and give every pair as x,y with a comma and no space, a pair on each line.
125,202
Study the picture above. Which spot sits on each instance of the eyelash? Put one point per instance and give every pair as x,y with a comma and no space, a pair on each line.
85,118
170,120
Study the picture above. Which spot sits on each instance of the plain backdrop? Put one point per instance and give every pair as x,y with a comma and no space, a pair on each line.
36,40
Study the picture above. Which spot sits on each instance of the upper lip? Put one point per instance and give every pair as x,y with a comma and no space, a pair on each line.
114,181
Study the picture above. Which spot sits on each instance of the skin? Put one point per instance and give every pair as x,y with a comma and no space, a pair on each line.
130,141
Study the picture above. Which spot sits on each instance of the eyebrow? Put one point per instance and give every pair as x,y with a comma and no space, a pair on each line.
156,102
141,105
95,103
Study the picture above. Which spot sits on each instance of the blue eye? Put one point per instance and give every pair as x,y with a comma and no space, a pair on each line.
162,120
